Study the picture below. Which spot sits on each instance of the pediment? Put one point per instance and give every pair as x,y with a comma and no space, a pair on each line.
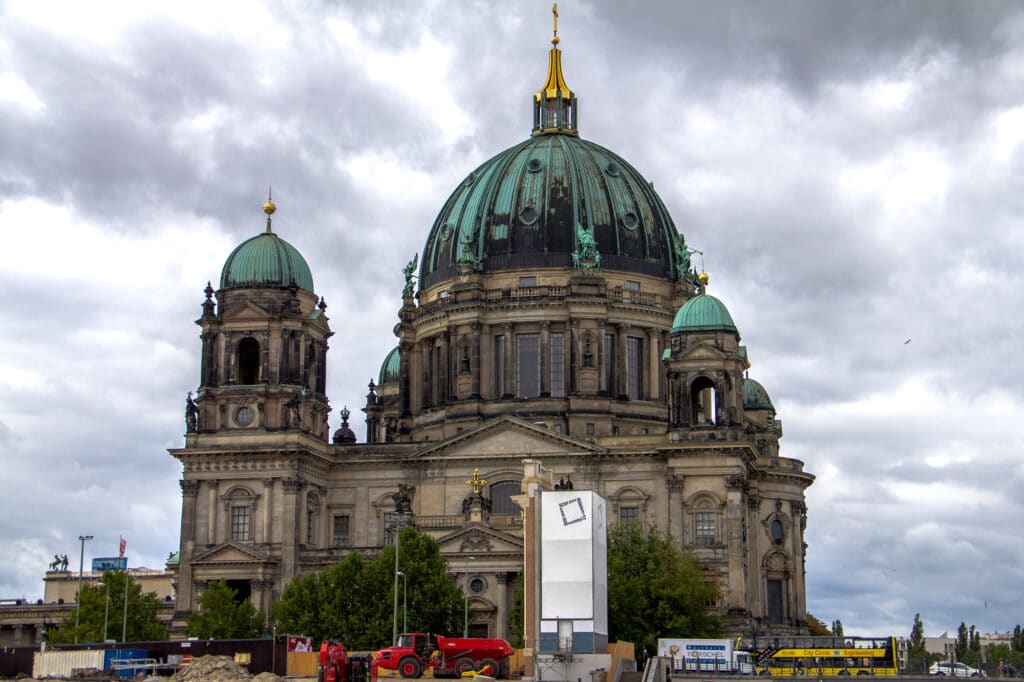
509,436
230,553
246,311
481,540
703,351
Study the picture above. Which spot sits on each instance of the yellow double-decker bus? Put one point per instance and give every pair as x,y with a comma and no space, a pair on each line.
824,656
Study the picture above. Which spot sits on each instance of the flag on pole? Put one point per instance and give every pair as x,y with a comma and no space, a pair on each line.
120,549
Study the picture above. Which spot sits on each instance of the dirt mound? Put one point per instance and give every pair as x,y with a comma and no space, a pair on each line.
213,669
266,677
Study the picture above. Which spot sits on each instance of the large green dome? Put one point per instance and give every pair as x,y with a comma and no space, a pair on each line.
266,260
703,313
755,397
522,209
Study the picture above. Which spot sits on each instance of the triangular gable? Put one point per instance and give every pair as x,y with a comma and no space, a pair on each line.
506,436
480,539
702,351
247,310
230,552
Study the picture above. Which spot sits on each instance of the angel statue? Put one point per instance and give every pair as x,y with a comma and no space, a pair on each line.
408,271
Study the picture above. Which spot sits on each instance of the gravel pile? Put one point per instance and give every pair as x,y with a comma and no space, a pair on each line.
218,669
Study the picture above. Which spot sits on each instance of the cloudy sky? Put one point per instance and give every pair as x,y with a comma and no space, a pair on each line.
852,172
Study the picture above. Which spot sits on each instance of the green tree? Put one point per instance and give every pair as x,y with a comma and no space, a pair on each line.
818,628
963,643
222,616
143,623
837,628
656,590
917,656
353,600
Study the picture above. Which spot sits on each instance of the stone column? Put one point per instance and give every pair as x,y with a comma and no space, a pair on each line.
266,532
601,361
674,489
545,359
291,518
501,583
211,512
575,355
510,374
476,364
189,494
619,379
443,373
405,386
426,385
652,387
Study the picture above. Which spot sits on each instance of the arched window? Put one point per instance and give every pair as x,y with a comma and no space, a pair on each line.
777,532
705,520
248,361
702,402
501,497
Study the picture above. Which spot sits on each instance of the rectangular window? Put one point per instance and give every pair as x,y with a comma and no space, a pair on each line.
527,365
704,529
526,282
632,286
590,429
557,365
240,523
340,537
609,363
774,599
634,367
499,365
629,514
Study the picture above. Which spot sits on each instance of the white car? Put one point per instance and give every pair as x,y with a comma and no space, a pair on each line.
954,670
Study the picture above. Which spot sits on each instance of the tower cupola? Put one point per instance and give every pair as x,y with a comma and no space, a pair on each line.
554,105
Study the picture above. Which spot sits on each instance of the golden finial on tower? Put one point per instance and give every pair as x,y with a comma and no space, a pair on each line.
269,208
703,277
554,11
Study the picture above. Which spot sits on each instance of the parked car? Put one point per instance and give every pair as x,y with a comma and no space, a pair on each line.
954,670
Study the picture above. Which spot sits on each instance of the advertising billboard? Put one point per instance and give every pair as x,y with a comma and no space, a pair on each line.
109,563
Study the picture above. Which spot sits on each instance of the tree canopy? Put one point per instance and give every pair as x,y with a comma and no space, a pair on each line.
657,590
818,629
94,610
353,600
222,616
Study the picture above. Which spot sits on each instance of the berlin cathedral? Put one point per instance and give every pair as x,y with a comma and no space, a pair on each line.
553,317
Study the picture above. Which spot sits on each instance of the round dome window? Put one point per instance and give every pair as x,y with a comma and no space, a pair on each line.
477,585
630,221
611,169
528,216
534,165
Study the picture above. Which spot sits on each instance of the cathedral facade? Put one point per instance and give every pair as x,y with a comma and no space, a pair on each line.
553,315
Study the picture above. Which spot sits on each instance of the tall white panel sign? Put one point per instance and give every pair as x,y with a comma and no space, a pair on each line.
574,570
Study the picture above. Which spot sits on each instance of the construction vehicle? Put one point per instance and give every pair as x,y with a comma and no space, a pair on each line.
336,665
413,653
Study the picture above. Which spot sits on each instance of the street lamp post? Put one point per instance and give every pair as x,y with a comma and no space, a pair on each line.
405,601
124,616
465,615
78,605
106,609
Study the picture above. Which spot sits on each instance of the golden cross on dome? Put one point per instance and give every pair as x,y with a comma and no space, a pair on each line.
477,482
554,10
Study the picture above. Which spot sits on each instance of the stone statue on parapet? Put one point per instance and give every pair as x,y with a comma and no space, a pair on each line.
191,415
408,271
59,563
586,255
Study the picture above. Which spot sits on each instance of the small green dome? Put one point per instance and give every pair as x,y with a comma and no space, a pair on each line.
266,260
703,313
755,397
391,367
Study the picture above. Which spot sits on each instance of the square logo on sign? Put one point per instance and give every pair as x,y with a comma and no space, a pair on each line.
572,511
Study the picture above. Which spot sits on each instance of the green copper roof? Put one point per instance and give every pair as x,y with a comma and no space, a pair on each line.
703,313
530,205
755,397
390,368
266,260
